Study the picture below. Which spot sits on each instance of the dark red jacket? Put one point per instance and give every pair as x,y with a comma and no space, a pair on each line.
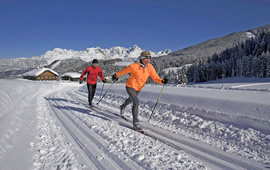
92,74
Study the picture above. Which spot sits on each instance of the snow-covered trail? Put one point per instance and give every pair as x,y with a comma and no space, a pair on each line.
73,104
90,145
103,142
48,125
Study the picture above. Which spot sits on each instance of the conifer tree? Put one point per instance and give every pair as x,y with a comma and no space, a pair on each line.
268,66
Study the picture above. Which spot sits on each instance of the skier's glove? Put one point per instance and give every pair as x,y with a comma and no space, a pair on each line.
164,81
114,77
81,81
104,81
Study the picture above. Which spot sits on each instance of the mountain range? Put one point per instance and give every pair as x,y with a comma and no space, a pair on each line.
54,57
102,54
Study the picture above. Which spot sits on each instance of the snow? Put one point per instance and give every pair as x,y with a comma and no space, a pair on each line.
97,53
56,64
123,63
38,71
72,74
221,124
250,35
175,69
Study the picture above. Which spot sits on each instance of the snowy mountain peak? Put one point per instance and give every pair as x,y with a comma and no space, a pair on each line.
97,52
136,47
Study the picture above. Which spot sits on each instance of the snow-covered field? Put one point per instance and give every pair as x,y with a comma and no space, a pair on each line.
215,125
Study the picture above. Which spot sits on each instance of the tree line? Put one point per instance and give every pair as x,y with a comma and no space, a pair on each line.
247,59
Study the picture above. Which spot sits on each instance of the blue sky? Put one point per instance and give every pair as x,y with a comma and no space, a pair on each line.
32,27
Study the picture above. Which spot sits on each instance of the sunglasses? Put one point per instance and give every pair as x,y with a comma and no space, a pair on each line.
147,56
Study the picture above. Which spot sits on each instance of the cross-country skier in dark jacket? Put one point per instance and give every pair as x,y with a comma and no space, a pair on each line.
140,71
92,74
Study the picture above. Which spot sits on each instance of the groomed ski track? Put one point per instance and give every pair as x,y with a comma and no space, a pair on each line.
97,153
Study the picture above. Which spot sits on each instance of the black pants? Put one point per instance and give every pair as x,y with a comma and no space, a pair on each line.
91,92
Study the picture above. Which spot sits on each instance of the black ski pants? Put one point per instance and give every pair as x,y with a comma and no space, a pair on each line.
91,92
133,97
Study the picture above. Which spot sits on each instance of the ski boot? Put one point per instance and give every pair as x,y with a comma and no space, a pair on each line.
137,127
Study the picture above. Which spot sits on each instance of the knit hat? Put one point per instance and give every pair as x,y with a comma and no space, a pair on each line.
144,54
95,61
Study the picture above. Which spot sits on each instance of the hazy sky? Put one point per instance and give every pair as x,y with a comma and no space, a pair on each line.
32,27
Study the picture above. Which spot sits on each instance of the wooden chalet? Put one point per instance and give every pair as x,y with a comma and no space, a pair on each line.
41,74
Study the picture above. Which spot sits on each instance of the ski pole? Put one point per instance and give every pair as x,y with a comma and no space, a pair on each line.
101,91
156,103
105,92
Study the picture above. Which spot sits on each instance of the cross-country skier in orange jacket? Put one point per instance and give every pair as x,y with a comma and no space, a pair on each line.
140,71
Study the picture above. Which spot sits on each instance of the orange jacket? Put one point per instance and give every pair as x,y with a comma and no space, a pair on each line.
139,75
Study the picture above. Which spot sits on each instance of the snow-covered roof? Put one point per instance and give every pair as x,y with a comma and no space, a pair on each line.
39,71
72,74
